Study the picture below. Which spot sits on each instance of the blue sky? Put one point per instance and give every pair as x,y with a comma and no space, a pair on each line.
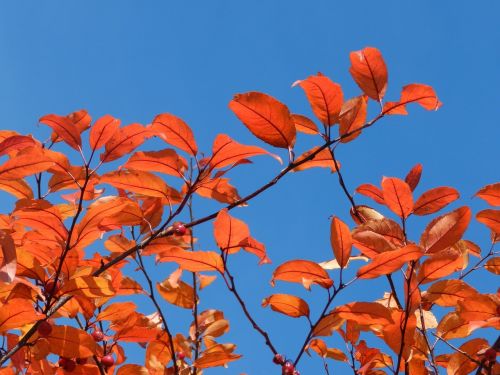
137,59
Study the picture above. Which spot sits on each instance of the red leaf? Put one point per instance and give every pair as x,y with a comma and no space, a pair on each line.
9,259
352,117
124,141
397,196
369,71
434,200
372,192
267,118
64,128
491,194
341,241
175,131
414,93
389,261
304,124
413,176
322,159
102,131
325,97
164,161
304,272
490,218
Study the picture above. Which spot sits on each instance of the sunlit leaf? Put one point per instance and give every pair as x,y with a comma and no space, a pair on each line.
304,272
493,265
193,261
322,159
124,141
449,292
352,117
181,295
289,305
439,265
389,261
71,342
229,232
397,196
64,128
434,200
175,132
491,194
413,176
304,124
490,218
414,93
88,286
102,131
372,192
16,313
369,71
8,265
341,241
365,313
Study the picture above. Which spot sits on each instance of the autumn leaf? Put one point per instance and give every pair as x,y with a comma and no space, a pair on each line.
71,342
132,369
449,292
175,131
124,141
16,313
320,348
267,118
8,265
389,261
325,97
88,286
493,265
181,295
322,159
371,191
215,359
219,189
351,118
16,143
116,311
397,196
490,193
229,232
18,188
490,218
439,265
341,241
445,230
377,236
413,176
369,71
452,326
434,200
286,304
304,124
102,131
193,261
366,313
414,93
327,324
304,272
27,162
64,128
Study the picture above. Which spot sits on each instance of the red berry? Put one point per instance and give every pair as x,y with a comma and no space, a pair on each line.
288,368
97,336
51,287
180,355
81,361
67,364
44,328
490,355
179,229
108,360
279,359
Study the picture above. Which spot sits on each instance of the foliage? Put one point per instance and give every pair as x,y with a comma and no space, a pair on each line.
59,312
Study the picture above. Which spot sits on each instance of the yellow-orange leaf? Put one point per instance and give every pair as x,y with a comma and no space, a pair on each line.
193,261
325,97
493,265
18,188
117,311
397,196
164,161
16,313
304,272
292,306
229,232
226,151
365,313
449,292
304,124
439,265
214,359
372,192
369,71
64,128
389,261
322,159
434,200
181,295
341,241
445,230
8,256
175,131
452,326
44,217
219,189
102,131
479,307
328,324
141,182
88,286
131,369
352,117
490,218
491,194
320,348
71,342
125,141
267,118
29,161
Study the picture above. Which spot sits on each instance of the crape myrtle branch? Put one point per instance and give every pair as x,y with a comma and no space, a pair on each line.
164,230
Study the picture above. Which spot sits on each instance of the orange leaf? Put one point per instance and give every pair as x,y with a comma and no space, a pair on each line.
378,236
304,272
490,218
219,189
44,217
117,311
491,194
102,131
164,161
434,200
141,182
413,176
175,131
267,118
449,292
193,261
369,71
479,307
214,359
124,141
352,117
372,192
304,124
18,188
322,350
16,143
8,257
325,97
389,261
452,326
131,369
322,159
71,342
414,93
292,306
341,241
229,232
181,295
88,286
328,324
17,312
226,151
493,265
257,248
439,265
28,161
397,196
64,128
445,230
365,313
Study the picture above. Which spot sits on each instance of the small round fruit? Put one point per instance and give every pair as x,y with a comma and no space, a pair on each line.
288,368
44,329
279,359
81,361
180,355
97,335
108,360
67,364
490,355
179,229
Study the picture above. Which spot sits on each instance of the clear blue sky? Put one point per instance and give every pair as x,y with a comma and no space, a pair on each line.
136,59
